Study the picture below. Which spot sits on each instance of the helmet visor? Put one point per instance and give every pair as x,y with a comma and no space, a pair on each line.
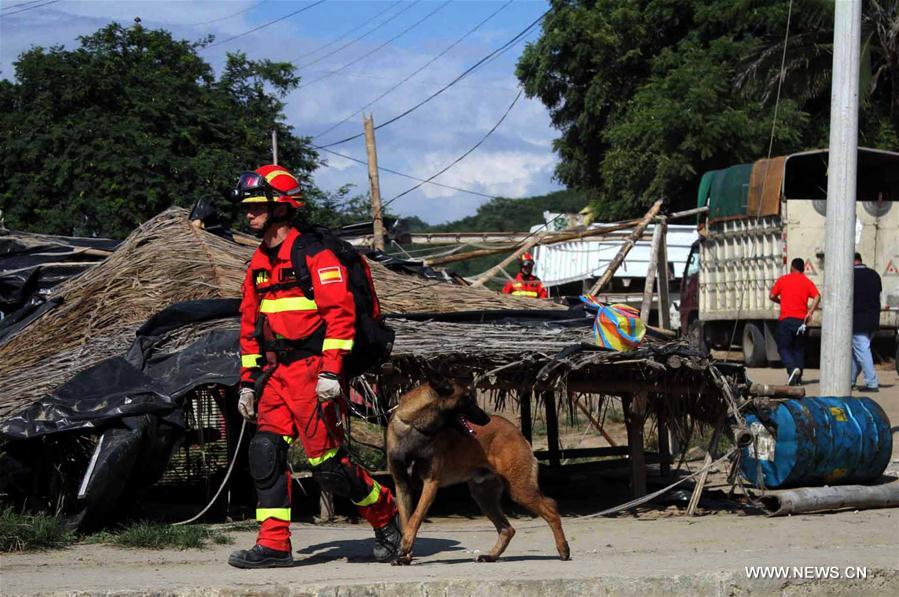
252,188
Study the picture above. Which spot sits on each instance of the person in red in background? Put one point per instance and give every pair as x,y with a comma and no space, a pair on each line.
793,292
525,282
292,347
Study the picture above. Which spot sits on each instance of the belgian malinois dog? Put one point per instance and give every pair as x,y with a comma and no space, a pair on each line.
439,434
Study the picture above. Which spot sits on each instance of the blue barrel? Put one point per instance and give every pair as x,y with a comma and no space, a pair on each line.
818,441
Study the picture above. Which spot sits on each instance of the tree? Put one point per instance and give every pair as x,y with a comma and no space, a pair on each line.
649,94
98,139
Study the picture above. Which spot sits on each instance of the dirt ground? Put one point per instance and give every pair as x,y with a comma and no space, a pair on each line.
664,553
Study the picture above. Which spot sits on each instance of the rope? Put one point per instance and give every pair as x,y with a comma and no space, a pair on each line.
243,427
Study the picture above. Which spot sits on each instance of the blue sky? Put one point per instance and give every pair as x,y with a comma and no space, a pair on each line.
516,161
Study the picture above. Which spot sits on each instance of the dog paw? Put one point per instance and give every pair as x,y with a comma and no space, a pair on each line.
485,558
403,560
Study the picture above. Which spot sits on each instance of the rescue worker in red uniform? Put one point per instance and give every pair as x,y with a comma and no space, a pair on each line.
292,347
525,282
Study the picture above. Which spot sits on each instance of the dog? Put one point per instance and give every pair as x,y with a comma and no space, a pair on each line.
439,435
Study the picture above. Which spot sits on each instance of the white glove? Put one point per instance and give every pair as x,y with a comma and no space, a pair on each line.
246,404
328,387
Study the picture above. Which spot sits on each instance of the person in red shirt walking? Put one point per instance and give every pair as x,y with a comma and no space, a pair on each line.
292,348
793,292
525,282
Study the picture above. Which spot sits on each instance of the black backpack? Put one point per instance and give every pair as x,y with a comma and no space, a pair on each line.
374,340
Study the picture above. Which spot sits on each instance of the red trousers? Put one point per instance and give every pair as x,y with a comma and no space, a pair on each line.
289,407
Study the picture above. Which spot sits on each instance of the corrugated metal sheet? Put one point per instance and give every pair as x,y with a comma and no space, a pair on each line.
562,263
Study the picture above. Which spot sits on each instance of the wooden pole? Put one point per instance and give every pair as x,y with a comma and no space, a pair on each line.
839,244
376,211
634,417
275,146
552,428
574,397
651,269
626,248
483,278
524,408
547,239
662,263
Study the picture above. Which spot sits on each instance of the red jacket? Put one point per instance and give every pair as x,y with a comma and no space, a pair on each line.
525,286
269,288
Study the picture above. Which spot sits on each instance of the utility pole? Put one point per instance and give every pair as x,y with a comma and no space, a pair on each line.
371,150
836,329
275,146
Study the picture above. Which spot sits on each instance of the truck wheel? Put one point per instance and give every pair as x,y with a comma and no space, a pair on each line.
754,346
696,336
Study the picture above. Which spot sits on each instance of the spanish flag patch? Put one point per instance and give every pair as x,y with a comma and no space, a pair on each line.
328,275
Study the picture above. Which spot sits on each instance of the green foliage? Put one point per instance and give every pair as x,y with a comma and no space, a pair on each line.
98,139
648,95
151,535
23,532
514,215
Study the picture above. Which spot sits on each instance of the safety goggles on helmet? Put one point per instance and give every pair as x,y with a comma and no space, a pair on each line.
268,184
253,188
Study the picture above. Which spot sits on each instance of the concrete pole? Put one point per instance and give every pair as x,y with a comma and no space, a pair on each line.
274,146
836,330
376,212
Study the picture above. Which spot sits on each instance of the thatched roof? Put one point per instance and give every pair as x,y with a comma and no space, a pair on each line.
168,260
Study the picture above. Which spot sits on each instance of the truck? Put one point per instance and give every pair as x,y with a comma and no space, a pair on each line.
760,217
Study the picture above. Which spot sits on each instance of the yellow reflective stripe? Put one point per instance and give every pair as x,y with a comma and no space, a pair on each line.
336,344
524,293
250,360
256,199
271,175
319,459
276,513
287,439
372,496
293,303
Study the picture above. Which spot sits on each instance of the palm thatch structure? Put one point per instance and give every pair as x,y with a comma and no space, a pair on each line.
165,261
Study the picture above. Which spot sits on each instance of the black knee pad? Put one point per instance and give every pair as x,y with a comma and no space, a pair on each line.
338,475
268,458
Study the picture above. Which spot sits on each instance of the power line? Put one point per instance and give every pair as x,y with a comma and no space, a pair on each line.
18,4
27,8
357,39
464,74
380,47
461,157
264,25
240,12
403,174
416,71
351,30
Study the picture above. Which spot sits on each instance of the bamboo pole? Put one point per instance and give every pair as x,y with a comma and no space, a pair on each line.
548,239
662,266
489,273
626,248
651,269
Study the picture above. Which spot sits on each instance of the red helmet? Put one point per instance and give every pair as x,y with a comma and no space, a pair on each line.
270,183
527,259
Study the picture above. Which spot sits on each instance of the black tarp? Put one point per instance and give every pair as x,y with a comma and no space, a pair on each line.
145,381
32,264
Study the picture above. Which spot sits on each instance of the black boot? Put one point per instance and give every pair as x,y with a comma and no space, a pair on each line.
260,557
387,541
